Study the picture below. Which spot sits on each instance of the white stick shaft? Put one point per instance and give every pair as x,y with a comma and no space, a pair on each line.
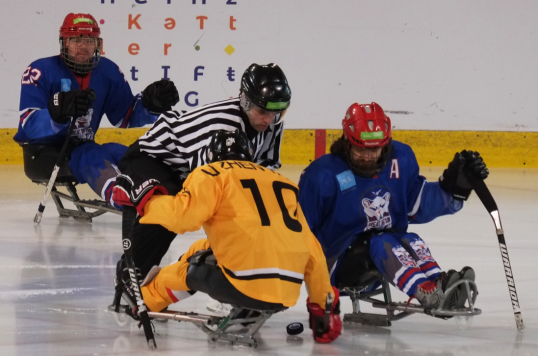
50,184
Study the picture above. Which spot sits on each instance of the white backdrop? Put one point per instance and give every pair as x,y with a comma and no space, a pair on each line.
437,65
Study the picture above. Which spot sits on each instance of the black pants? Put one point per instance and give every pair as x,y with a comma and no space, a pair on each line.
208,278
150,242
356,268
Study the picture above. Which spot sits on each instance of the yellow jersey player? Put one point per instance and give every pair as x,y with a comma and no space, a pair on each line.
256,231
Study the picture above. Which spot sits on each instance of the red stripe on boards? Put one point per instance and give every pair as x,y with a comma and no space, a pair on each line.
320,143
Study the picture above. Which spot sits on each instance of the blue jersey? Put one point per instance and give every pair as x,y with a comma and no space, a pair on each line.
339,205
47,76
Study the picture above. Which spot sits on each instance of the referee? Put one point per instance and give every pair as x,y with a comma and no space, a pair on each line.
177,143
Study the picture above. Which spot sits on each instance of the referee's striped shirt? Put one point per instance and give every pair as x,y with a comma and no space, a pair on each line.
181,139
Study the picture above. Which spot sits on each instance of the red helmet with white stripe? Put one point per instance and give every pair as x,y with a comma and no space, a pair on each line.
369,135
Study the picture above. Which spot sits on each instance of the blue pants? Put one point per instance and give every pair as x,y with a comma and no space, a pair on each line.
404,259
97,165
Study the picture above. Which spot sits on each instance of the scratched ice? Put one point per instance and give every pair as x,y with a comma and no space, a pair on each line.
57,282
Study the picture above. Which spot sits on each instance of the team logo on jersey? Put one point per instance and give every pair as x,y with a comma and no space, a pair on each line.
404,257
83,127
377,211
230,141
422,250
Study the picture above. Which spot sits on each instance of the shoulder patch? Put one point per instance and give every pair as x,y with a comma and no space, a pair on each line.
346,180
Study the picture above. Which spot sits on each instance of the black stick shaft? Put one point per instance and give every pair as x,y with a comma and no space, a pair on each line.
52,180
485,196
128,219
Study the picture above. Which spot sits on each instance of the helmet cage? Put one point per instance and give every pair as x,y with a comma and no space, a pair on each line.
81,28
80,67
366,126
367,169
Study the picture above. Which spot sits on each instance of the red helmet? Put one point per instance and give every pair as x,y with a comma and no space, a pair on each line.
81,28
79,25
366,126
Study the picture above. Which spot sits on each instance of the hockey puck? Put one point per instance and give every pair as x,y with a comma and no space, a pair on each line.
294,329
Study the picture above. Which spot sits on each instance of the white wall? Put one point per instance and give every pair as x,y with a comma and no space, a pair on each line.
452,65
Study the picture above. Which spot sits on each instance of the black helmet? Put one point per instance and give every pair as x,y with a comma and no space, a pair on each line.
266,86
233,145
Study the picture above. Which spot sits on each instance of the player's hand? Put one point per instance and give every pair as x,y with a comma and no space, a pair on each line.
454,179
74,103
137,195
326,327
160,96
474,164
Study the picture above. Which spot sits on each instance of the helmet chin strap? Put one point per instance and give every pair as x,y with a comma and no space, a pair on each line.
280,119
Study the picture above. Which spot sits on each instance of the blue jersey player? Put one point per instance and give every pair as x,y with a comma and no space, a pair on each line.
369,185
82,85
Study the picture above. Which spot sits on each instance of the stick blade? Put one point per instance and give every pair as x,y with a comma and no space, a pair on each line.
152,344
519,321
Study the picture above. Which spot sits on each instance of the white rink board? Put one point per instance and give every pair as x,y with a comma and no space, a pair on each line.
456,65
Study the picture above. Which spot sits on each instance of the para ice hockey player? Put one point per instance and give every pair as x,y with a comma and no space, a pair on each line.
81,85
256,231
370,185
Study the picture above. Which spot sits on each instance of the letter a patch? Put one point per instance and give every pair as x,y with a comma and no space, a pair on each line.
394,169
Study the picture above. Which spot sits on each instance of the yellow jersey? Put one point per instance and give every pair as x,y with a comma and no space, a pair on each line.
255,227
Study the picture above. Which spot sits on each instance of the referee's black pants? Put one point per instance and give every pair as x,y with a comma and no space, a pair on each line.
149,242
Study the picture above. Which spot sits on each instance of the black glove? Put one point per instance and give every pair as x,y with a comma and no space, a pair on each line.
475,165
137,195
67,104
160,96
454,180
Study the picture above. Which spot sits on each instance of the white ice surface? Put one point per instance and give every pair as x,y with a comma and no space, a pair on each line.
56,283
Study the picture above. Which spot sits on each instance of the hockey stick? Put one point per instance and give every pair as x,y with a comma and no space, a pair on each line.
52,180
128,219
489,203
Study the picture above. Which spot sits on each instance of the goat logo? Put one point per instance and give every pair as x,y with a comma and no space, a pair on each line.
404,257
377,211
422,251
83,129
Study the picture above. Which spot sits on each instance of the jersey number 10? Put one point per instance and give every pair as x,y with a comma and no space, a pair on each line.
278,187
